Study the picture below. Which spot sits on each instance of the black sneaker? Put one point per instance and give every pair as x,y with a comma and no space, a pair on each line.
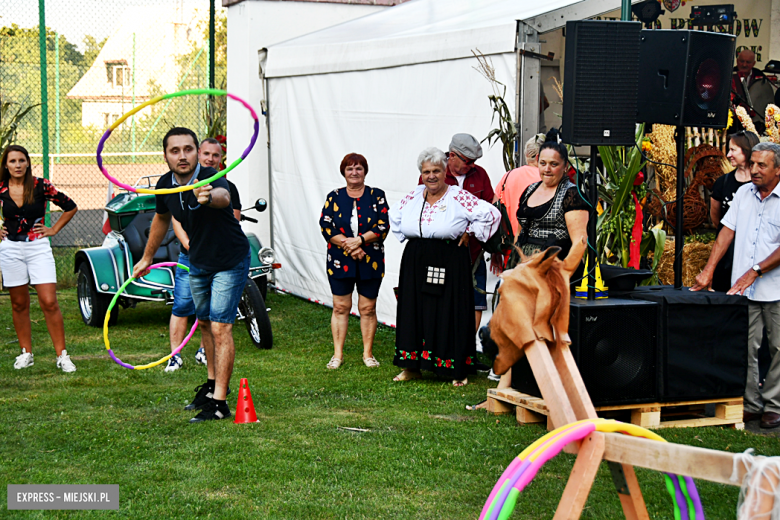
212,412
203,394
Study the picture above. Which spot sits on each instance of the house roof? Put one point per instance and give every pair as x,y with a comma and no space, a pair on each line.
152,37
421,31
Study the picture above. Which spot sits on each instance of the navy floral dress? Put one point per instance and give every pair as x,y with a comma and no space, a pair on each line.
19,222
372,216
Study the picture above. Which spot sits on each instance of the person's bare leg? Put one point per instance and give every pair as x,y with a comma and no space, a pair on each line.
207,342
339,322
20,308
368,324
478,316
177,330
47,299
224,355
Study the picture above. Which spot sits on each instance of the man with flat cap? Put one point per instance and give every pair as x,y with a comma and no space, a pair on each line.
461,171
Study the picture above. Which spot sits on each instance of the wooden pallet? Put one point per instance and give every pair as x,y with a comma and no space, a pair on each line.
682,414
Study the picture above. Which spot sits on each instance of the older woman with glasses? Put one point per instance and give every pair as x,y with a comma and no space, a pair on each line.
435,325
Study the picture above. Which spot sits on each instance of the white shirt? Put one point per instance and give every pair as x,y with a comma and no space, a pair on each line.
756,224
456,212
460,179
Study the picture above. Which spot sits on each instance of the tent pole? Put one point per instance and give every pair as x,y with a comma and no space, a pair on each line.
529,83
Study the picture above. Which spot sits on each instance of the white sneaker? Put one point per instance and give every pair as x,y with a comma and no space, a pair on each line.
200,357
24,360
493,377
174,363
64,362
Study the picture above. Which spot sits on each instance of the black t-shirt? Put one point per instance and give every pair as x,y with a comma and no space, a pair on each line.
235,200
723,191
217,242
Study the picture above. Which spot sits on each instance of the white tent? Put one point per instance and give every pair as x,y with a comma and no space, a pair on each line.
388,85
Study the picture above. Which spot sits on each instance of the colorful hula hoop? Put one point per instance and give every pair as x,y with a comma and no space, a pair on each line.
181,93
503,498
108,317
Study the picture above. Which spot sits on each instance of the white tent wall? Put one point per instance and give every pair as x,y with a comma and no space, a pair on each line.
254,25
389,115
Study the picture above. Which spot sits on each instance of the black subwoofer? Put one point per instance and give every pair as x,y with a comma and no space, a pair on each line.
601,77
703,343
685,77
615,346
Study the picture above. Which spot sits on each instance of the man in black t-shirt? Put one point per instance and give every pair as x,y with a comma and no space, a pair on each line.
209,156
219,258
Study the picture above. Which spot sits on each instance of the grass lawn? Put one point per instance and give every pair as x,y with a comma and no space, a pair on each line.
423,455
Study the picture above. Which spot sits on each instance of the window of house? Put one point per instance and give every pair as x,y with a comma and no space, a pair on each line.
109,119
122,76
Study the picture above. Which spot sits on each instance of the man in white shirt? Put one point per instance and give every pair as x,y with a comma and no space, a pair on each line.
753,223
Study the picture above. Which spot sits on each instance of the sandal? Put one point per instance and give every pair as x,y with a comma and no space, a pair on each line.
371,362
407,375
334,363
458,383
478,406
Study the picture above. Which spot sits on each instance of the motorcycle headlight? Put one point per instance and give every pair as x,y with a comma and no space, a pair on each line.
266,255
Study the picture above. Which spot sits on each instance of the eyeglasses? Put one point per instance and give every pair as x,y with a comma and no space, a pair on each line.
450,155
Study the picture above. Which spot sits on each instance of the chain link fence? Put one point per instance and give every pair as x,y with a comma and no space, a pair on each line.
101,59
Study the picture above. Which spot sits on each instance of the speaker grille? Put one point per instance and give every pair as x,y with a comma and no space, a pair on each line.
615,346
616,352
601,82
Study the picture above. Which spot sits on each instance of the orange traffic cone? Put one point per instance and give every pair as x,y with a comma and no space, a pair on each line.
245,408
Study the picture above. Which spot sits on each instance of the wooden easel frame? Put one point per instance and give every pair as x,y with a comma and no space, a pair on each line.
568,401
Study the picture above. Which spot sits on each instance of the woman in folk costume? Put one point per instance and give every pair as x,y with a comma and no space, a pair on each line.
435,321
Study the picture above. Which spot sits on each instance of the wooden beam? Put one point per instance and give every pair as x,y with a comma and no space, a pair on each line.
581,478
550,384
690,461
572,382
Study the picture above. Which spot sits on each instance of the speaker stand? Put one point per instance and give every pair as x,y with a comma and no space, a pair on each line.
593,196
679,207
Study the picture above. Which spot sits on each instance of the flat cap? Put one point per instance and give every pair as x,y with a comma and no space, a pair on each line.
467,146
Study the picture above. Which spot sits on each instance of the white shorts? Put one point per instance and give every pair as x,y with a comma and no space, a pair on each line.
27,262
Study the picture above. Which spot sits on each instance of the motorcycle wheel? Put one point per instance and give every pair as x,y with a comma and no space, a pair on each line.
92,304
252,308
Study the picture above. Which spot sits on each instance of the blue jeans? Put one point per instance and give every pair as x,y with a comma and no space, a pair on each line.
217,293
183,306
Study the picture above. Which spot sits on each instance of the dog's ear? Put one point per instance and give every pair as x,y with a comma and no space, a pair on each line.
551,252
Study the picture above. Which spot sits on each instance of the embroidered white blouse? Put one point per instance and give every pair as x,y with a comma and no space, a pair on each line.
458,211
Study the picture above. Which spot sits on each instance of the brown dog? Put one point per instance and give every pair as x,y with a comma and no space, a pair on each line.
534,304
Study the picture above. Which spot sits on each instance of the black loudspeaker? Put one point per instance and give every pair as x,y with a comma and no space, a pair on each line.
685,78
615,346
601,77
703,342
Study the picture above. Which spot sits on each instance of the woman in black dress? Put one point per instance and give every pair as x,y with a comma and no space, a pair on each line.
740,148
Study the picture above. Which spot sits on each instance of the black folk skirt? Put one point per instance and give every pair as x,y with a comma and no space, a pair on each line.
435,319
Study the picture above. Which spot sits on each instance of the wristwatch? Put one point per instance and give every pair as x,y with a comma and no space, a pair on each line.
757,269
